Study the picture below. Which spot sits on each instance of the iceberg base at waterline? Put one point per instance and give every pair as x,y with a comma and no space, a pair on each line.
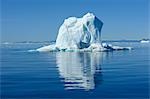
93,48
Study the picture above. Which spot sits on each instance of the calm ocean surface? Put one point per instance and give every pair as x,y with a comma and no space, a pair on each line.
84,75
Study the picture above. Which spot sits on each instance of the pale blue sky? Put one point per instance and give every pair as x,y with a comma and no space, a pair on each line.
39,20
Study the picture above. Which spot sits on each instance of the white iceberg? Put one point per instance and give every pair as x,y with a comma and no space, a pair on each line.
79,34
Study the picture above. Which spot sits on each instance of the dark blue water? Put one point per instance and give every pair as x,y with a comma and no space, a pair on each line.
117,74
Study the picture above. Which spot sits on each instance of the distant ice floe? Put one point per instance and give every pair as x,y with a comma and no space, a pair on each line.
80,34
145,41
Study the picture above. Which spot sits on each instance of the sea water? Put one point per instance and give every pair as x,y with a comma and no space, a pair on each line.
90,75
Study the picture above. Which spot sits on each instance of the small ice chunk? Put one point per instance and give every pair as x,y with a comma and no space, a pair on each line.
111,47
47,48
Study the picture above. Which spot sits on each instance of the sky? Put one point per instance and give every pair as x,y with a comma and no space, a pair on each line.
39,20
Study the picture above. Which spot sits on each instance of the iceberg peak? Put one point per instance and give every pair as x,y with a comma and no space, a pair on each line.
91,15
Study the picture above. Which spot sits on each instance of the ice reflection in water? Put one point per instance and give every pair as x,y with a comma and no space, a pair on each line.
80,70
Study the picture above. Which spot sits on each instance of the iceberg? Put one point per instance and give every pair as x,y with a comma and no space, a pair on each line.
80,34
